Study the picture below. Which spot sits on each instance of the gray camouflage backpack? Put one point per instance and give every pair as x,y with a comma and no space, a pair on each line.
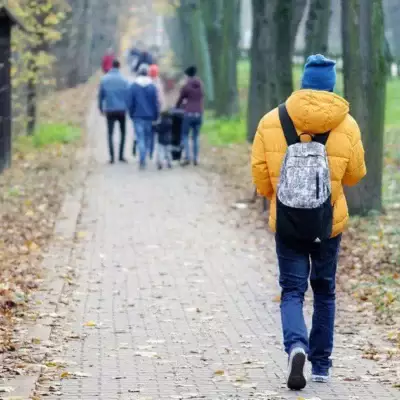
304,209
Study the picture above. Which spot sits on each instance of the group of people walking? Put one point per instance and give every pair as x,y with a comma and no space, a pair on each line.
145,102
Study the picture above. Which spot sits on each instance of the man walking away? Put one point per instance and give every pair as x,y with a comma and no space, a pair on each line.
112,103
191,97
108,59
304,151
143,109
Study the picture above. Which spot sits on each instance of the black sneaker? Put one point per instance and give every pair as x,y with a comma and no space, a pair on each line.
111,161
185,163
159,166
296,379
122,159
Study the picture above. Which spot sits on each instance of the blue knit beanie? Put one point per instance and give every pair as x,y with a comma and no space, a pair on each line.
319,73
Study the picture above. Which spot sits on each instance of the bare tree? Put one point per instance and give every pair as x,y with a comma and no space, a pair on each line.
365,87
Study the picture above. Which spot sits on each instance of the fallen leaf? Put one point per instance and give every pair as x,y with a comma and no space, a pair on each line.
148,354
219,372
90,323
6,389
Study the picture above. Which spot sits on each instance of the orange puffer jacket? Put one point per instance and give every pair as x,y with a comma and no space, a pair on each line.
312,112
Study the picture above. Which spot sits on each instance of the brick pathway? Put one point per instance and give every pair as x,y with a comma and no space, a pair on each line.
182,300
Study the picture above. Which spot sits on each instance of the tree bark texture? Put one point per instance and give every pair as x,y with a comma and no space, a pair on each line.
193,16
223,39
317,27
365,72
270,57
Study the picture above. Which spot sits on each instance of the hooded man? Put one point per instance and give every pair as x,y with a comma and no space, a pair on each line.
143,109
314,126
192,99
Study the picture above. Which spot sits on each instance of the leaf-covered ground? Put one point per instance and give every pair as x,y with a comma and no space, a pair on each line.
31,193
369,271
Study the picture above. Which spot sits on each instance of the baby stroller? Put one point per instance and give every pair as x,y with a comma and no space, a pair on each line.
176,139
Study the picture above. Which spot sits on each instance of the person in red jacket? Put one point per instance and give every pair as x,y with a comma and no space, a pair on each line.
108,59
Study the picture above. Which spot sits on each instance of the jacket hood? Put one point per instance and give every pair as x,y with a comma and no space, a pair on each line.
315,111
143,81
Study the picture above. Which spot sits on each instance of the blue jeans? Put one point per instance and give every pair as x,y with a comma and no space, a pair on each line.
191,123
294,270
143,132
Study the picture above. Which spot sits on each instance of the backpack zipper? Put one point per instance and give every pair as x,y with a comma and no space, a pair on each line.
317,185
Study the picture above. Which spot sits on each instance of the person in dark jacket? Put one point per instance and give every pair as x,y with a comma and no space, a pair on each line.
112,103
144,58
143,109
163,131
191,97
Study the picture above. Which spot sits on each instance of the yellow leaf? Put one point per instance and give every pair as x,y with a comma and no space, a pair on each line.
29,213
36,341
51,364
65,375
51,19
219,372
81,234
277,299
32,246
90,323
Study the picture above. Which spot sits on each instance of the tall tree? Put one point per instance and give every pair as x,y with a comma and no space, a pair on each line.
193,27
298,12
317,27
222,18
270,58
365,87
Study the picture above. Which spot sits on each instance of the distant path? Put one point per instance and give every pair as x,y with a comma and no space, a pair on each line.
182,300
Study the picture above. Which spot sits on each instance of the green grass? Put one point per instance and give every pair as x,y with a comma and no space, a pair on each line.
224,131
47,134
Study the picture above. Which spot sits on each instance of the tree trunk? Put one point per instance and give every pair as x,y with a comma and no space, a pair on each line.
213,14
270,59
284,16
317,27
226,58
298,12
193,16
365,87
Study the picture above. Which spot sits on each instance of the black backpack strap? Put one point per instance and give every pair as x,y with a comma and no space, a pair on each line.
288,127
321,138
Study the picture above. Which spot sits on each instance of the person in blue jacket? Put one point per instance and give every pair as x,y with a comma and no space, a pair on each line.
144,109
112,103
